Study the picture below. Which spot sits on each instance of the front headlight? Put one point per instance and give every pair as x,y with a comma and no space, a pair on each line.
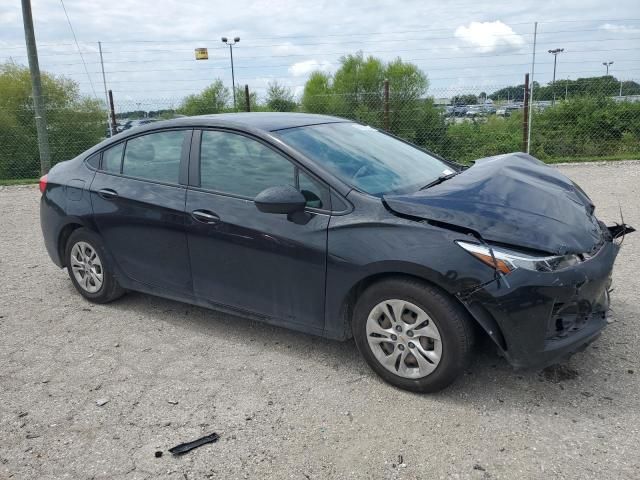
507,261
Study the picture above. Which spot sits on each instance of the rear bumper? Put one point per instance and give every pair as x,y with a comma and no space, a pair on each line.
50,223
544,317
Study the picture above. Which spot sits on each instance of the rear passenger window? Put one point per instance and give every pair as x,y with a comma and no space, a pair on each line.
112,158
237,165
155,156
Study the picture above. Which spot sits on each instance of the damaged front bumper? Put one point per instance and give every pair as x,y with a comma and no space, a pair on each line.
538,318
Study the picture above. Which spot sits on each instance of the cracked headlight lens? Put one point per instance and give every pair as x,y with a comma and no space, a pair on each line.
507,261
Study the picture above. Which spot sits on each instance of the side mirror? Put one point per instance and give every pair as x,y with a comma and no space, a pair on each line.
281,199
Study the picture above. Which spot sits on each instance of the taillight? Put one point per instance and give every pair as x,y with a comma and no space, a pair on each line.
43,183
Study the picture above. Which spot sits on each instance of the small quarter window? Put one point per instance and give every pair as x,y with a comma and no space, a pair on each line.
316,194
112,158
94,161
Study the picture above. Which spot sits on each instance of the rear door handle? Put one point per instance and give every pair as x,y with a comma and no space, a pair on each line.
205,216
107,193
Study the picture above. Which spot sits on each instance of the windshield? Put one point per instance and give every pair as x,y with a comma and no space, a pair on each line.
365,158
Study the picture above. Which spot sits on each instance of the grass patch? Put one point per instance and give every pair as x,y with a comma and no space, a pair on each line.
19,181
606,158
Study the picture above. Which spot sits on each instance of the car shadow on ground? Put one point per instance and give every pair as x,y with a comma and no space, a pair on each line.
489,380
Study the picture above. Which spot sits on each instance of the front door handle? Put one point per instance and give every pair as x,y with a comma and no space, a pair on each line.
205,216
107,193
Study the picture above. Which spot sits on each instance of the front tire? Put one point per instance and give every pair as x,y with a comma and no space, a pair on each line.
412,334
88,268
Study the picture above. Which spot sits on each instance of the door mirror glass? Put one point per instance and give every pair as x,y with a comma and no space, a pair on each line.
283,199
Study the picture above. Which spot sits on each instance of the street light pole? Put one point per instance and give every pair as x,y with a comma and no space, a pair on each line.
606,64
555,53
233,77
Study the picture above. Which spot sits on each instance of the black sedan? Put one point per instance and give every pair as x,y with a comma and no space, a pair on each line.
337,229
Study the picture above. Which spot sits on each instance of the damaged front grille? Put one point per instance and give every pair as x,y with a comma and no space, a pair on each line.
569,318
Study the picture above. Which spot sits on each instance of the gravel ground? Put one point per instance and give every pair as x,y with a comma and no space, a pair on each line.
288,405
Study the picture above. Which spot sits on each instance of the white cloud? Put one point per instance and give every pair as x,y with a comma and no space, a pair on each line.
301,69
610,27
489,36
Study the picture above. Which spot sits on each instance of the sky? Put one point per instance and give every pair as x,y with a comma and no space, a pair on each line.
463,46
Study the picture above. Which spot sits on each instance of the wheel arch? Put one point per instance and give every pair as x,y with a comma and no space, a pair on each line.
482,320
65,232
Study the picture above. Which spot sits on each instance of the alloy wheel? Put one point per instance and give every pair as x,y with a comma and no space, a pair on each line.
404,339
86,267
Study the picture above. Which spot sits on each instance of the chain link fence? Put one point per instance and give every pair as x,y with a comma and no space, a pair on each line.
458,123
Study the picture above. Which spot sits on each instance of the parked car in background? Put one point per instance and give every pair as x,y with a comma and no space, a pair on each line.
460,110
507,110
337,229
474,111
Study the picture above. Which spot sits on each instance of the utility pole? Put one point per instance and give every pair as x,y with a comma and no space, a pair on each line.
110,121
533,69
525,116
233,77
606,64
36,85
112,110
385,120
247,98
555,53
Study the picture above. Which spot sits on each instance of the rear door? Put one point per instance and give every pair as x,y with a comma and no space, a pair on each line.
249,260
138,199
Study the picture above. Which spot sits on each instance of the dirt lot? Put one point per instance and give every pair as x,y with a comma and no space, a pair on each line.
289,405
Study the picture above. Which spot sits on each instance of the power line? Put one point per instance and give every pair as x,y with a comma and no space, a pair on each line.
78,47
431,69
192,41
240,57
186,80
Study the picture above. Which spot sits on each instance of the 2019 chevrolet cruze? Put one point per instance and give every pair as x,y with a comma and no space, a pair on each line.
337,229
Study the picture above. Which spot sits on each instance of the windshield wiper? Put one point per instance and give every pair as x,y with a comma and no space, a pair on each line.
439,180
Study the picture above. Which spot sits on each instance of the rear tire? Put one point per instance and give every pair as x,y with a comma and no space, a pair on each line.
88,268
412,334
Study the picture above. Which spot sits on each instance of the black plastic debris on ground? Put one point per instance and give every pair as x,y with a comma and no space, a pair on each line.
187,447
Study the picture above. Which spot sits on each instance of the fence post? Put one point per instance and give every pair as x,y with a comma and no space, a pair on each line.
112,111
247,100
525,116
386,105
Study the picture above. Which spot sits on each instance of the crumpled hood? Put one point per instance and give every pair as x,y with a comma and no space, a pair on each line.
513,199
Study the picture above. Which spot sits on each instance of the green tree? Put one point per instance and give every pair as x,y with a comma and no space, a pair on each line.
356,91
467,99
213,99
280,98
75,123
512,93
407,87
316,97
357,86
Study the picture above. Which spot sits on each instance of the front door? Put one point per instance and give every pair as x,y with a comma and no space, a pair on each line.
249,260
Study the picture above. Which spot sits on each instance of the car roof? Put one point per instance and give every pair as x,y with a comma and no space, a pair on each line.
266,121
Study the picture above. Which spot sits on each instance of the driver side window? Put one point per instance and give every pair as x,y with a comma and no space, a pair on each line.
238,165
